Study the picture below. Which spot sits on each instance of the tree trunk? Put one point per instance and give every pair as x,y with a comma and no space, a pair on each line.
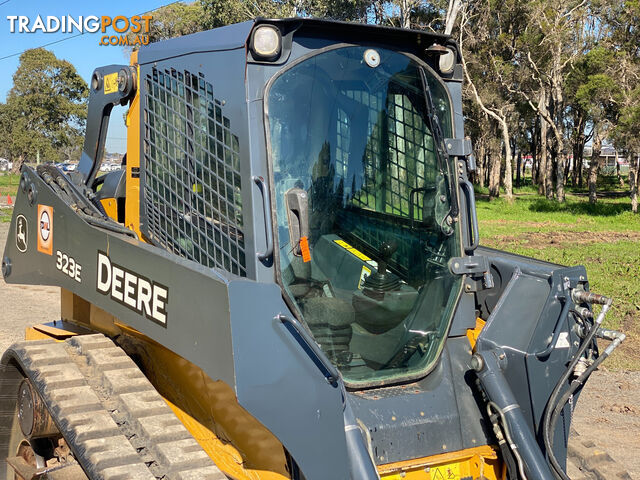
558,102
578,147
481,164
546,165
508,169
594,166
620,182
494,174
17,164
405,13
581,166
518,168
634,165
535,164
574,170
560,172
452,13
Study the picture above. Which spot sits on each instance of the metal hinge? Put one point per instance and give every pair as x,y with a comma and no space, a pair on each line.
478,269
461,147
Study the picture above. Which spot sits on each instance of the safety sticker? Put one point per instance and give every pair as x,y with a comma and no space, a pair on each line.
445,472
22,232
352,250
363,276
563,340
110,83
45,229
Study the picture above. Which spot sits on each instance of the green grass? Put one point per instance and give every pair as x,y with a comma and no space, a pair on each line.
5,215
8,186
604,237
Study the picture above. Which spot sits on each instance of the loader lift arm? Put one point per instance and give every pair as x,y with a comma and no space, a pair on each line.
110,86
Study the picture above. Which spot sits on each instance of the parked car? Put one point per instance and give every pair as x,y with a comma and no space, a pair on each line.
5,165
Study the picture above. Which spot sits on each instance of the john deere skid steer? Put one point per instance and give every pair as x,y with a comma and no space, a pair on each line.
284,279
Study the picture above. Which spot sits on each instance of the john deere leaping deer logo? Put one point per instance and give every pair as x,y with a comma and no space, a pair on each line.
21,233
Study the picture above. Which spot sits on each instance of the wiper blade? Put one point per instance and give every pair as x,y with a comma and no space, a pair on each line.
433,120
438,140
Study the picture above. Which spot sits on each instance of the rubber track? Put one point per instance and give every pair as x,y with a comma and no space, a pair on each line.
594,462
114,421
10,379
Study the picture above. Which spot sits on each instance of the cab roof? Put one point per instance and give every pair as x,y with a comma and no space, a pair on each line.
235,36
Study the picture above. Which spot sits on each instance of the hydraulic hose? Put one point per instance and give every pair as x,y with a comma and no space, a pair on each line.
508,450
498,390
546,423
575,385
62,187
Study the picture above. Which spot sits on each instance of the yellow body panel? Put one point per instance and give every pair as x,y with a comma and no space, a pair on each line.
479,462
472,334
31,333
110,206
132,207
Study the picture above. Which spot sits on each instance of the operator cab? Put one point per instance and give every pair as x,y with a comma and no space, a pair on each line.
364,207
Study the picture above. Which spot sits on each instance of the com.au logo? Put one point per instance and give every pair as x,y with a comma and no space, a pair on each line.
132,30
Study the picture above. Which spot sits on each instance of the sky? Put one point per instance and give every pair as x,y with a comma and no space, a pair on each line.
84,51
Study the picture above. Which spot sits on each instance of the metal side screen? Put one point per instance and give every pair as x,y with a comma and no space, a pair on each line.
191,198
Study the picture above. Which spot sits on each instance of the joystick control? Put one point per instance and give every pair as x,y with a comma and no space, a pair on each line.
382,280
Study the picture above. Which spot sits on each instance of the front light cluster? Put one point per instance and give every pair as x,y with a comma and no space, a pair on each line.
266,42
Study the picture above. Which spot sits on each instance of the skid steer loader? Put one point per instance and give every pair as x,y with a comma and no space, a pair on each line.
284,280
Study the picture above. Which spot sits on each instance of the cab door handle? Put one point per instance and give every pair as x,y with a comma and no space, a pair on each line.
467,190
268,226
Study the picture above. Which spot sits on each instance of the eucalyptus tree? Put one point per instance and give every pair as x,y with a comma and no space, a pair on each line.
623,18
45,110
553,40
487,32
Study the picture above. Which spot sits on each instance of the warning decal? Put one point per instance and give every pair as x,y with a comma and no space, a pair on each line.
111,83
356,252
445,472
45,229
363,276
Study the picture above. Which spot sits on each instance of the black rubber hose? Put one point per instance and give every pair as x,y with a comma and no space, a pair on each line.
61,186
98,204
546,423
507,456
108,225
575,385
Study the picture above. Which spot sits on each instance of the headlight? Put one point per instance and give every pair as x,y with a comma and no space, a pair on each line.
447,62
266,42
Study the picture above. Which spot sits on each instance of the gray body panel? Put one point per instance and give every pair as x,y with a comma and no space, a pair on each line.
437,414
230,37
225,326
527,317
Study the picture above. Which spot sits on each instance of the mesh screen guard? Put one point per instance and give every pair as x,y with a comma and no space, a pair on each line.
191,191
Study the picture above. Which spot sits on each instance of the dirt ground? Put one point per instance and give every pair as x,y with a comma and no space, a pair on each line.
540,240
608,412
22,305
